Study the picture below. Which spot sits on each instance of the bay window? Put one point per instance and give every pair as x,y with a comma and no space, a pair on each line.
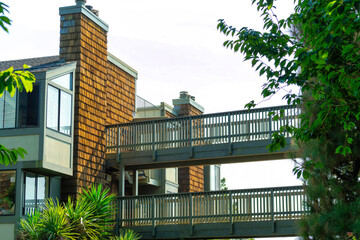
21,110
59,105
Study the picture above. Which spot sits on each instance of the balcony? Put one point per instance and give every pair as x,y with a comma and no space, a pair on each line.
228,137
219,214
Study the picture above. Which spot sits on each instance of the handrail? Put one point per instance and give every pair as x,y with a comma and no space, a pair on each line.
247,205
215,128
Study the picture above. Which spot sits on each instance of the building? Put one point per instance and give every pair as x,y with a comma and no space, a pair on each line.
61,123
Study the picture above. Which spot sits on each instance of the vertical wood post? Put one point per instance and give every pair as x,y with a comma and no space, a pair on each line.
270,124
272,211
153,215
231,214
135,188
191,137
153,140
229,133
191,202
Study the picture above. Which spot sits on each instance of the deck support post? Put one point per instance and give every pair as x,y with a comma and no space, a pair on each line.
191,138
272,211
153,216
191,203
153,141
229,134
231,214
135,187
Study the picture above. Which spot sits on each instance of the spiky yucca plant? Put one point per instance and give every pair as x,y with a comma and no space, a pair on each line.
88,218
127,234
51,224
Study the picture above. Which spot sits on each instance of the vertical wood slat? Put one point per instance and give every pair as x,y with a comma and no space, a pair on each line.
217,128
267,204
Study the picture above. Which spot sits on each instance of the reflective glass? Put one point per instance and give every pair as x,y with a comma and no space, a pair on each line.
64,81
65,113
7,192
52,118
28,108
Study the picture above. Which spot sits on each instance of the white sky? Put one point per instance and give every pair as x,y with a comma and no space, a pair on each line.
175,46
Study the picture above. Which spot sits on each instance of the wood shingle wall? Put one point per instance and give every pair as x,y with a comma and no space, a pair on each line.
191,179
104,94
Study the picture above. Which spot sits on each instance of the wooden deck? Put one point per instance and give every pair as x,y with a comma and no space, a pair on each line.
228,137
218,214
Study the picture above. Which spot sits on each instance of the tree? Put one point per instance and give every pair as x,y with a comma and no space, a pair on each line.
11,81
323,62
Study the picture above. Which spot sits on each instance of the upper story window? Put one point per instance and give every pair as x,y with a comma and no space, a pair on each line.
59,105
21,110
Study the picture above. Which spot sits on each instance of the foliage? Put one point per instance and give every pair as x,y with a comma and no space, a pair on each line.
223,184
10,80
127,234
87,218
322,60
4,20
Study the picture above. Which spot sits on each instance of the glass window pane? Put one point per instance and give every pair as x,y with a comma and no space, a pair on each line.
30,192
7,192
52,108
65,113
10,111
64,81
42,190
28,110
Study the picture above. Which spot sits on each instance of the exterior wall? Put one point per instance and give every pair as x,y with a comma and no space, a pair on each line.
191,179
7,231
120,96
104,94
86,43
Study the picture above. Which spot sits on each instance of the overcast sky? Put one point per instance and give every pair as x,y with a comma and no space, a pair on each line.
175,46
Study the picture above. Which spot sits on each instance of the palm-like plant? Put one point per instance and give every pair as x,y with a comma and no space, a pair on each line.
127,234
90,217
51,223
55,224
101,208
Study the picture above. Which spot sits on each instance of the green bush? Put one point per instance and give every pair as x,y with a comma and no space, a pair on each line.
90,217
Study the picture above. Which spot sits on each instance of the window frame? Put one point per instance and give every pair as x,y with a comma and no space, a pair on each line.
17,105
47,189
15,174
61,89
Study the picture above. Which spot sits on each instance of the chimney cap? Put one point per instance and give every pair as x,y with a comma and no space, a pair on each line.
80,2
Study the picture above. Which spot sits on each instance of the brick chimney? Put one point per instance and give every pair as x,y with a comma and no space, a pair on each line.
83,38
191,179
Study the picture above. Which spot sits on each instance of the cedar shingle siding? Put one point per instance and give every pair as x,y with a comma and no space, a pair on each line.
104,94
191,179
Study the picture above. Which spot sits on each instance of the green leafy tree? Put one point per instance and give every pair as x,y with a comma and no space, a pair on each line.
10,81
322,61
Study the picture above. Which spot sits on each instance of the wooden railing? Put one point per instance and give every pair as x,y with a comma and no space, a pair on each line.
265,204
218,128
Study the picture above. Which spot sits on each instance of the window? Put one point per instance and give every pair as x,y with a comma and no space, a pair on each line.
36,191
59,105
21,110
7,110
66,81
7,192
28,108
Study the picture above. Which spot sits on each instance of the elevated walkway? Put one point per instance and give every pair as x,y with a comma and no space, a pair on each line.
265,212
229,137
